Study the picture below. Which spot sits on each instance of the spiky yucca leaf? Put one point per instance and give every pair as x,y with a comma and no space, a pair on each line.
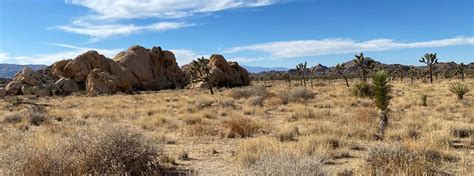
381,89
459,89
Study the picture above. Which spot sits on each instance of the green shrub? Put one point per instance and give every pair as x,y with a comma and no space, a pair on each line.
424,98
459,89
363,89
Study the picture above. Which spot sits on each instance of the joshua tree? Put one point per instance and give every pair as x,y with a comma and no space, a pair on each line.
286,76
382,97
301,68
365,64
341,71
401,73
430,59
313,73
460,69
412,74
201,69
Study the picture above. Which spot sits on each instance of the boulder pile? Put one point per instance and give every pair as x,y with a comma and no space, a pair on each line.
137,68
222,74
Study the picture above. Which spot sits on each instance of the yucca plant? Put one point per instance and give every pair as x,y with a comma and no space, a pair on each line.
459,89
412,73
285,76
382,97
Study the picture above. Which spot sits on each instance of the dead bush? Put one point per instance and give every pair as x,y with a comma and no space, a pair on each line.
299,94
104,149
246,92
241,127
395,159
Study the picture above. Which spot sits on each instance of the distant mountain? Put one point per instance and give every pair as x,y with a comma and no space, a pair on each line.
442,69
252,69
9,70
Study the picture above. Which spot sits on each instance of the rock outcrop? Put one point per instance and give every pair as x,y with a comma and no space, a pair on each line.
137,68
227,74
153,69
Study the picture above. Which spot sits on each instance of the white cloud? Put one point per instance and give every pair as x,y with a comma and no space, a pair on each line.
185,56
50,58
132,9
301,48
97,32
3,57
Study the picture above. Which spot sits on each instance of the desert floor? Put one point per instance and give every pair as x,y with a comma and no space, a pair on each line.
259,131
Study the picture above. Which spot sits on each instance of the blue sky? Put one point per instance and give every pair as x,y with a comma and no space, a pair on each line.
270,33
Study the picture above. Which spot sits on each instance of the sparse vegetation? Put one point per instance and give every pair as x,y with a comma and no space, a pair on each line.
247,130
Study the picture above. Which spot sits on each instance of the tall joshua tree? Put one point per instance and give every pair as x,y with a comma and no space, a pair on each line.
382,97
412,74
200,68
313,73
430,59
365,65
460,69
301,68
341,71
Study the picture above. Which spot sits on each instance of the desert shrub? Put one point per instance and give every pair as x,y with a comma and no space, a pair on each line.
241,127
363,89
395,159
104,149
31,117
285,163
299,94
226,103
288,134
202,103
459,89
424,98
461,132
302,114
249,91
255,101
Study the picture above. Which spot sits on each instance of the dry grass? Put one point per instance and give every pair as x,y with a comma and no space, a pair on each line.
254,130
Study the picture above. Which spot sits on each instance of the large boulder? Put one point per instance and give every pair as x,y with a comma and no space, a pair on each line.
13,88
99,82
82,65
227,74
67,85
154,69
3,92
41,91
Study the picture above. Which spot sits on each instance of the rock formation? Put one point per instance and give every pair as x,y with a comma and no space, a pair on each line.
137,68
222,74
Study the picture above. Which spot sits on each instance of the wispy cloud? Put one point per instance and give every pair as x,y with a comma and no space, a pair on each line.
106,19
301,48
97,32
50,58
133,9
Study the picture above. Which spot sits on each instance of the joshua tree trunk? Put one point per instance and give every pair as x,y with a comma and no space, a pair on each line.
210,89
383,122
311,82
347,82
462,76
304,80
431,74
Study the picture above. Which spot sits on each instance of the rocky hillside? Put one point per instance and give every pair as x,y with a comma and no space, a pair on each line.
9,70
442,69
138,68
